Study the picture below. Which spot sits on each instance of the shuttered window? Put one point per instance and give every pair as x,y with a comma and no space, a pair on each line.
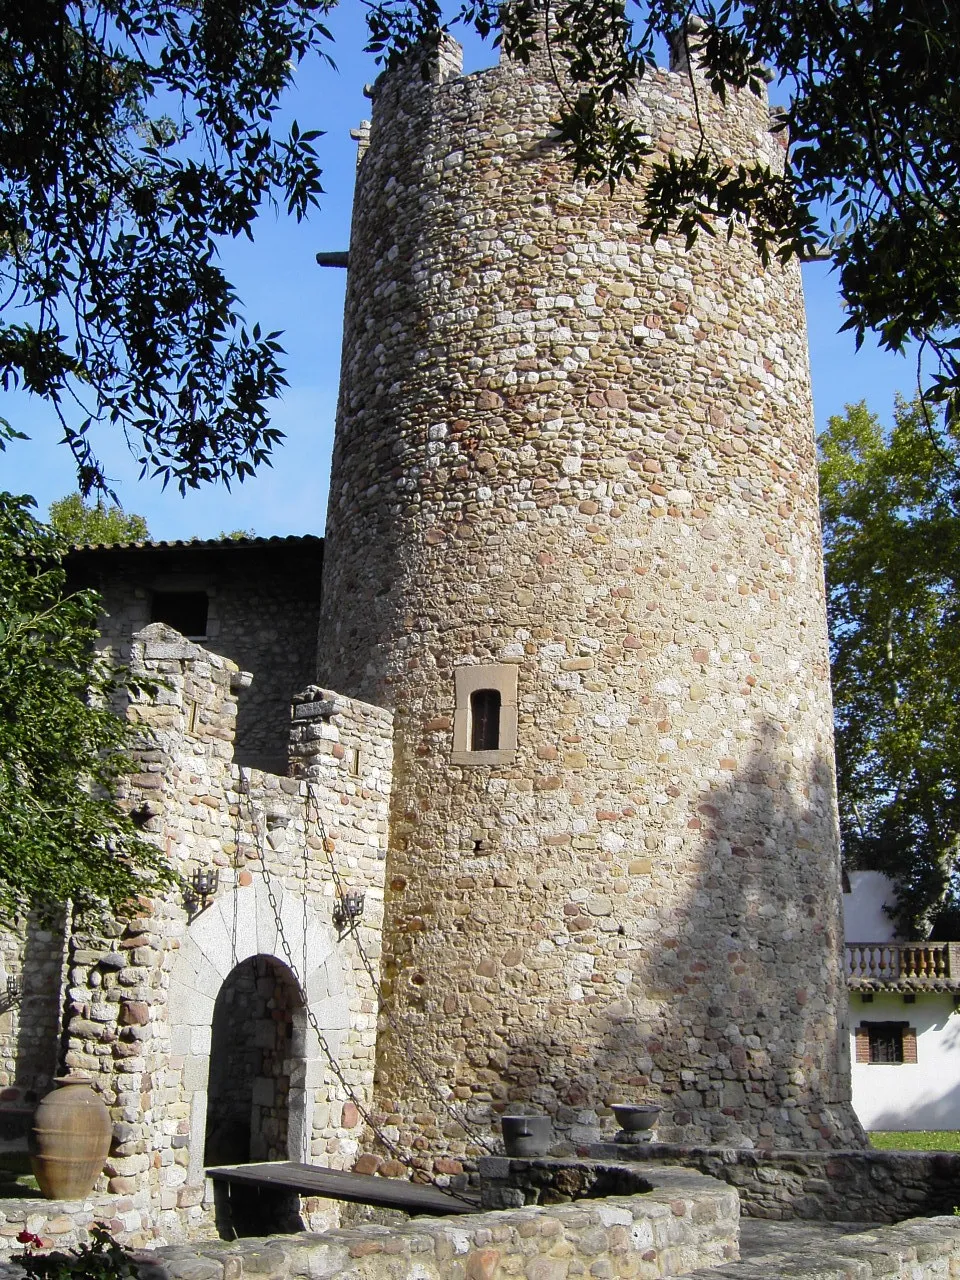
886,1043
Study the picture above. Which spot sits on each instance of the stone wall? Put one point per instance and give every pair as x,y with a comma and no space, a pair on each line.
263,599
921,1249
610,1237
31,1004
65,1224
680,1222
838,1186
577,469
143,992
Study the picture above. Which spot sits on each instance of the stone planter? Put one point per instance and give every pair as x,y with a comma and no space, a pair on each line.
69,1139
635,1117
526,1135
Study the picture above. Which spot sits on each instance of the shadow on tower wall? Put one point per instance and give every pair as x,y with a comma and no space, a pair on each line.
732,1011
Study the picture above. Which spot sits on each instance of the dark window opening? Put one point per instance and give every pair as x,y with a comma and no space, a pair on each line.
485,720
886,1041
185,611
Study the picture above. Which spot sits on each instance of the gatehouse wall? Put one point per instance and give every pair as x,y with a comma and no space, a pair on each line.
255,601
141,993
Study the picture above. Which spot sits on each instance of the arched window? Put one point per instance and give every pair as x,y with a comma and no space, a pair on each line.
485,720
485,714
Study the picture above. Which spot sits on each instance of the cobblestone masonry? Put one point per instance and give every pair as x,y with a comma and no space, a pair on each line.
865,1186
30,1020
685,1227
920,1249
681,1221
141,995
579,469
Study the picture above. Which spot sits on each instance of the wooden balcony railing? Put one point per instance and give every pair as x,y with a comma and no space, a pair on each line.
916,963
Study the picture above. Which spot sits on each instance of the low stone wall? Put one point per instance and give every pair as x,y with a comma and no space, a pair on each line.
130,1219
921,1249
133,1220
838,1186
682,1222
685,1225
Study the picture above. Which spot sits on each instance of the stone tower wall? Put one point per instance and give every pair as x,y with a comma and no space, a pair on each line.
579,468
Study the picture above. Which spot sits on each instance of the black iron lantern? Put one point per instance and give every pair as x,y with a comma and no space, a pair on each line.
348,909
204,883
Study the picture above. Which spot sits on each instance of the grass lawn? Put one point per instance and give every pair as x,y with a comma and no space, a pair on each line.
916,1140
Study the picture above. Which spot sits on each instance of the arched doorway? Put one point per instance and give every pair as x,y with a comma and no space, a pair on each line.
241,924
257,1033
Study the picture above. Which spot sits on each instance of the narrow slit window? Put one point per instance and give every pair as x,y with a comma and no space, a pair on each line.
485,720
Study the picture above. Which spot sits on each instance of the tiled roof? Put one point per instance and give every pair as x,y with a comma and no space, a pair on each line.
203,544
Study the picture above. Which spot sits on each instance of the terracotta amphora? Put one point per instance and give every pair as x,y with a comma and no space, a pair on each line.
69,1139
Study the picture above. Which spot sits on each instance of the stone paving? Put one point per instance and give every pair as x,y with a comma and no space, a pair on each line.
761,1237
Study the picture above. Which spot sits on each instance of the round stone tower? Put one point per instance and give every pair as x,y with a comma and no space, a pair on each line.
573,544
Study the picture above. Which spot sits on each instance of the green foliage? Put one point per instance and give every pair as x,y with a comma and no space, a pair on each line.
890,503
78,523
872,113
63,751
133,135
103,1259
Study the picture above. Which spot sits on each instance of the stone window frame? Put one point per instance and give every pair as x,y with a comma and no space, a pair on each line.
500,677
864,1046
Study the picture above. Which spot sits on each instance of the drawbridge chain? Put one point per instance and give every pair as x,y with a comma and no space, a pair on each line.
300,978
383,1006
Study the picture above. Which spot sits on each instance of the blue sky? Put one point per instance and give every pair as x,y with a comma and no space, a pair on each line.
283,288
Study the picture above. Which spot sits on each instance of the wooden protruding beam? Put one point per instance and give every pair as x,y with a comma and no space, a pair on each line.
334,259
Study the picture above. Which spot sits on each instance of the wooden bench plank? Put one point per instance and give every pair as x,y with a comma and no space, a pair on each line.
337,1184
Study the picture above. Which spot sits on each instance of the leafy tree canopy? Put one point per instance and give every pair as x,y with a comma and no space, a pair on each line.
79,522
63,751
873,116
891,518
132,136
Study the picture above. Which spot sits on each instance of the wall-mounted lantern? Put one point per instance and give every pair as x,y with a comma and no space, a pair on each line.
204,883
347,909
11,991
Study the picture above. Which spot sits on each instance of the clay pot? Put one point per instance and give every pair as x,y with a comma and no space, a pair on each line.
526,1135
634,1117
69,1139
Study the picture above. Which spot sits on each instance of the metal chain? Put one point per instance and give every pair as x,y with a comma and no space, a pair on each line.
383,1005
243,789
334,1066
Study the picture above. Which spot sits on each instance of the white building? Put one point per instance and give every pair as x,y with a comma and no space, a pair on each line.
904,1028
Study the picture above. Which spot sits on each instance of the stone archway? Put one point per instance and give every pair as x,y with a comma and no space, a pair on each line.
242,924
257,1023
